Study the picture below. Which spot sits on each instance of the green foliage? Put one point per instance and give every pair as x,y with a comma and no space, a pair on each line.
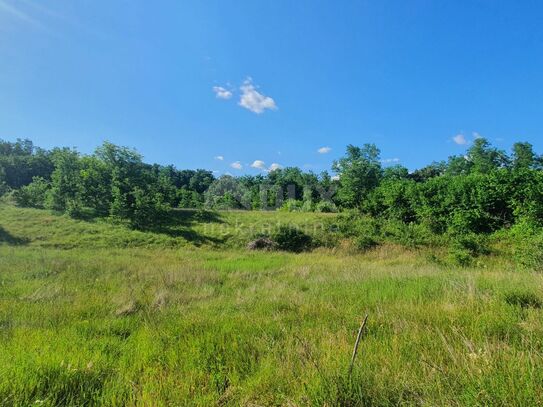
66,185
359,173
481,192
525,241
326,207
292,239
226,193
464,248
21,161
188,199
32,195
364,243
291,205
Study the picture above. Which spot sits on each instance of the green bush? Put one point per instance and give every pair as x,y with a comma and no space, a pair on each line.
464,248
292,205
407,234
292,239
326,207
32,195
364,243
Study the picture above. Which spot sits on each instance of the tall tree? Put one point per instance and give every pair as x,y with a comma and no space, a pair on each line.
359,173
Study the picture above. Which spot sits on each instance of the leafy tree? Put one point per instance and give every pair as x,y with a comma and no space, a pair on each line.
66,186
201,180
430,171
483,158
359,173
395,172
226,193
96,185
20,162
524,157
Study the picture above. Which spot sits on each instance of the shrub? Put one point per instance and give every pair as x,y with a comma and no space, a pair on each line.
292,239
32,195
365,242
308,206
326,207
407,234
527,242
465,247
291,205
261,243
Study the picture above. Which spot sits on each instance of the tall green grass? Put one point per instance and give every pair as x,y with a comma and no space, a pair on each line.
95,322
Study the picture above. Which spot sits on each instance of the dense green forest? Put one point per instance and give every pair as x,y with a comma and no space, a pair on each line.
462,199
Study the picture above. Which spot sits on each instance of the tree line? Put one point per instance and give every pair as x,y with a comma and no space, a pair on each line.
479,192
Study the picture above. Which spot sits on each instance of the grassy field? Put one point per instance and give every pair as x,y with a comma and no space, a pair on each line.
94,314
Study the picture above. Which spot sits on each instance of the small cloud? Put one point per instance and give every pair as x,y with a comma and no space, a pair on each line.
236,165
274,167
219,157
476,135
324,150
258,164
335,178
253,100
460,139
390,160
222,93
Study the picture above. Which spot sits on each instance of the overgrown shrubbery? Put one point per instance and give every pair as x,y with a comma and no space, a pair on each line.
33,195
291,239
455,202
464,248
525,243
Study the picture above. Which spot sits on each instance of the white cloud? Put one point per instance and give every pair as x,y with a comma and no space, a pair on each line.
390,160
236,165
219,157
222,93
324,150
253,100
335,178
274,167
259,164
460,139
476,135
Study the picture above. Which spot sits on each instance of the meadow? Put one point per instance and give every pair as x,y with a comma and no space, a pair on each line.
92,313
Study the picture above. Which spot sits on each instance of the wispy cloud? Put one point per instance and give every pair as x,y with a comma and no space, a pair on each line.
236,165
275,166
460,139
251,99
219,157
18,13
324,150
222,93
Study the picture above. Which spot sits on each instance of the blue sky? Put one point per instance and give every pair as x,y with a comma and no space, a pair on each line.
189,82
